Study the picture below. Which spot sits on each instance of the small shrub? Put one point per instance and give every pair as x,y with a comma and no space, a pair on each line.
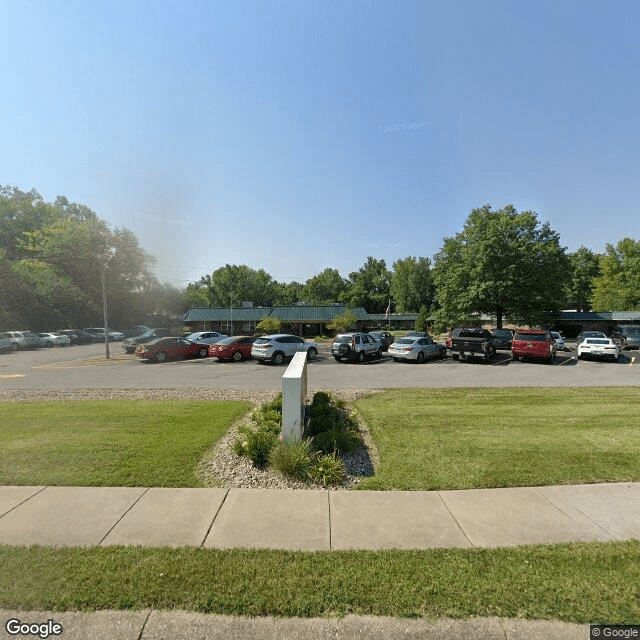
258,445
275,404
321,398
323,422
337,440
292,459
270,414
239,445
327,470
271,426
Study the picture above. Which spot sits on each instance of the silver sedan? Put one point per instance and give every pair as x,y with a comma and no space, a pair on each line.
416,348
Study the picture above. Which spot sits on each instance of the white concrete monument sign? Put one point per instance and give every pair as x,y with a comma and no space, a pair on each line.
294,398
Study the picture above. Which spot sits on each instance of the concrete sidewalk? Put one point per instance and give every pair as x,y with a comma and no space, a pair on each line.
181,625
312,520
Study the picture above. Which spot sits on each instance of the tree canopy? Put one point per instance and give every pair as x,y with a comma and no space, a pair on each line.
51,256
369,286
502,262
411,284
618,286
585,268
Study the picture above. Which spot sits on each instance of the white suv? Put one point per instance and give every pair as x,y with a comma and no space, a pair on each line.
24,340
277,347
356,347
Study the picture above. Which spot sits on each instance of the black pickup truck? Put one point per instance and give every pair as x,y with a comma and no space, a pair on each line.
473,343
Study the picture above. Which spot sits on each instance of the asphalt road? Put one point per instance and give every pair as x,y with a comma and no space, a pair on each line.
86,367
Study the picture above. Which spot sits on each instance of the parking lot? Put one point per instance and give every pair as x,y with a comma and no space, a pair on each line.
85,366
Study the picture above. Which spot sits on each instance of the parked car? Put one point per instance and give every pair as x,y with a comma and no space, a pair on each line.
5,343
583,335
24,340
76,336
206,337
416,348
136,330
98,333
598,348
384,337
54,339
280,346
131,344
628,336
560,345
533,343
472,342
234,348
502,338
172,348
356,347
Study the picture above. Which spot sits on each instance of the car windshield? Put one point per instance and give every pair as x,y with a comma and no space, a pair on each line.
228,341
262,341
502,333
342,339
406,341
597,341
630,331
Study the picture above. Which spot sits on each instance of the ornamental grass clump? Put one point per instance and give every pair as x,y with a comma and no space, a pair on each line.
327,470
292,459
338,440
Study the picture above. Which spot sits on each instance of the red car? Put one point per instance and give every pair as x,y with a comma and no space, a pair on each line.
162,349
532,343
234,348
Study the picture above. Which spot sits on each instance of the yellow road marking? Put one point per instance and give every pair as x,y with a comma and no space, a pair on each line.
12,375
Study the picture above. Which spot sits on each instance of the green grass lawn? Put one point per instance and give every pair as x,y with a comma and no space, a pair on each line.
110,442
584,582
471,438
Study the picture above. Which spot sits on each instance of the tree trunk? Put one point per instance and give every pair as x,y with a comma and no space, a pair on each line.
498,317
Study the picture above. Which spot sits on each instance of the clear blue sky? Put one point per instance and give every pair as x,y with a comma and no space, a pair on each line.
294,136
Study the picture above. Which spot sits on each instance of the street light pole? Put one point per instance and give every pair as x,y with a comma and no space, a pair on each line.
232,315
105,310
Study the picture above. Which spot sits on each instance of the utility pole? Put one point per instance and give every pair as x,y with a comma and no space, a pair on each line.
105,310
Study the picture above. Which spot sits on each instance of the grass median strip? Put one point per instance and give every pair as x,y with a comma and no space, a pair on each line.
481,437
110,442
583,582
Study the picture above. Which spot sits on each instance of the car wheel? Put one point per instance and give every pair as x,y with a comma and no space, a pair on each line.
515,357
442,353
48,344
488,356
161,356
203,353
237,356
277,357
455,356
379,354
312,353
396,359
14,346
420,357
338,358
360,357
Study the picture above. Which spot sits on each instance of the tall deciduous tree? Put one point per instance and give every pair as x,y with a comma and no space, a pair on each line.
618,286
325,288
56,251
502,262
369,286
585,268
412,285
233,284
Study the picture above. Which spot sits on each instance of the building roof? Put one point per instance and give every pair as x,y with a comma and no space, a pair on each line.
224,314
293,313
